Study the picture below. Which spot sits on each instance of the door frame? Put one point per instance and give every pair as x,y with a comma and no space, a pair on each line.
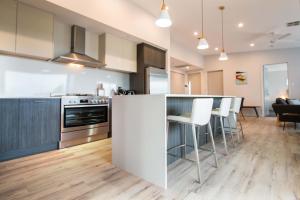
263,84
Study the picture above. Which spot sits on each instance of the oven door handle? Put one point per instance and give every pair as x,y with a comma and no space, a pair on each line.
86,106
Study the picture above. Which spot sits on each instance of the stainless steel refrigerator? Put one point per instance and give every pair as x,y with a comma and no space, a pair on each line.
156,81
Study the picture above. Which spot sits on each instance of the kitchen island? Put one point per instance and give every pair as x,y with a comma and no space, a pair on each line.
139,133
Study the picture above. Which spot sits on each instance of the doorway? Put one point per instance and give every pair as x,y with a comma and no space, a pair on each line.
275,79
177,83
195,80
215,82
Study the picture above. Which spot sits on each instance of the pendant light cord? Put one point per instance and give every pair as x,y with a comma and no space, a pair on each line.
222,29
202,19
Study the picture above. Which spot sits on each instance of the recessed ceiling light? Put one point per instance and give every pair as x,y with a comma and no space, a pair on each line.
216,49
252,44
195,33
187,67
241,25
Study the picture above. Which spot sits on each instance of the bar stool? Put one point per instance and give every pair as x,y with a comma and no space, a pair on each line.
223,113
235,110
200,116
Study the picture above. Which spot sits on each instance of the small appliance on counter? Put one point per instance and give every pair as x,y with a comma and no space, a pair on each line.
121,91
100,90
84,118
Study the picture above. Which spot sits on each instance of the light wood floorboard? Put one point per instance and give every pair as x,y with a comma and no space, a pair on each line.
265,166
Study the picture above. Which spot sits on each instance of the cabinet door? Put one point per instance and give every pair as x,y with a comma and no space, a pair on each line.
39,122
154,57
8,15
129,58
113,52
35,32
9,116
149,57
162,59
120,54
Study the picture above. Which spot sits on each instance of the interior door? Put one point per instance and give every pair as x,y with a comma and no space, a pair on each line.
195,79
177,83
215,83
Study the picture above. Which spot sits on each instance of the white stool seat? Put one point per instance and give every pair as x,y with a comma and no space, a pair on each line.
182,119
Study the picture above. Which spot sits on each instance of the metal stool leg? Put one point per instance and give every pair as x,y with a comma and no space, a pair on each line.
184,138
236,125
224,137
242,130
230,130
213,144
215,125
168,125
196,152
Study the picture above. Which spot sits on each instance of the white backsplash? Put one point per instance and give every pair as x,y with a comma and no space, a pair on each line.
20,77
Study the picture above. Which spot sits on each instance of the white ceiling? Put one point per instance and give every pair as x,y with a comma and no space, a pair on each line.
180,65
261,19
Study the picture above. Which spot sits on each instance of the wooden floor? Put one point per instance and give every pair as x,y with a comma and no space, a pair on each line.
265,166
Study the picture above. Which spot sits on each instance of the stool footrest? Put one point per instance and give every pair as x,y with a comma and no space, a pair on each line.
176,147
201,148
204,158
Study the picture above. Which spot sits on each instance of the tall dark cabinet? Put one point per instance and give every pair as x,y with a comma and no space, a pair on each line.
147,56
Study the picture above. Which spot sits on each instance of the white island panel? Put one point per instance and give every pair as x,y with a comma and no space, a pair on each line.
139,140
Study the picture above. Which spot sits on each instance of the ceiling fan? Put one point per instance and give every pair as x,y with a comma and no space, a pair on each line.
275,37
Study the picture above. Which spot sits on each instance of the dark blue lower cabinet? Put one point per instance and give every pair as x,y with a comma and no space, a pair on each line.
30,126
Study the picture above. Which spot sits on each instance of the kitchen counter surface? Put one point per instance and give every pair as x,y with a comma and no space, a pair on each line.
197,96
13,97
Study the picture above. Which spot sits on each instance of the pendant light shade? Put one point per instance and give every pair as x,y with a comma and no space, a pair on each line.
202,43
223,55
164,20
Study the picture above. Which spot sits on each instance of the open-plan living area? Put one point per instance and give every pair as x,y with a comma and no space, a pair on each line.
149,99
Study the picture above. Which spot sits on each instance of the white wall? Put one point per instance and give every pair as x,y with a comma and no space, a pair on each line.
20,77
252,63
122,15
184,54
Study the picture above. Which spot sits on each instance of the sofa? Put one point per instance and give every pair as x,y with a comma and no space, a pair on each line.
287,110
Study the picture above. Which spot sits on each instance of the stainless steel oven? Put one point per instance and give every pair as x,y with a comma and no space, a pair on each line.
83,119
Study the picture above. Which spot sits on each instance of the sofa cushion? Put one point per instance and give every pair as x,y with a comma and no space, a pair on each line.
281,101
293,101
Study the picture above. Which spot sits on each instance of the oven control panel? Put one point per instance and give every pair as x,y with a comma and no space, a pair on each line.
84,100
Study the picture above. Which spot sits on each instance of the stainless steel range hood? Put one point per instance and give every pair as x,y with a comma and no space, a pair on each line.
77,54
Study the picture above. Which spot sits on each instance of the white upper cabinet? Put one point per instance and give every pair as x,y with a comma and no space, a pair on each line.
8,21
117,53
34,32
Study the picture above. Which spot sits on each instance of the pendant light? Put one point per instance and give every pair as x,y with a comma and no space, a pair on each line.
202,43
164,20
223,55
